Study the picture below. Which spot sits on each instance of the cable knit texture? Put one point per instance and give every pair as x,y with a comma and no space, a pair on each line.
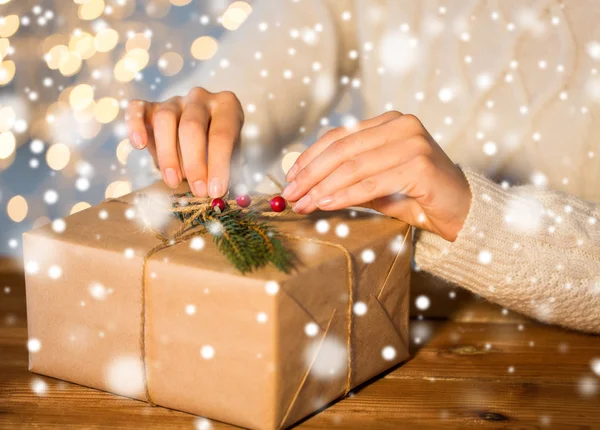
531,250
508,88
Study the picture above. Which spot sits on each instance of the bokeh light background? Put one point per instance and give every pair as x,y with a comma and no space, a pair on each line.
67,71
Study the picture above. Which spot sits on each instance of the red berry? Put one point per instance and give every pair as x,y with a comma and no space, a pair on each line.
243,200
220,203
278,204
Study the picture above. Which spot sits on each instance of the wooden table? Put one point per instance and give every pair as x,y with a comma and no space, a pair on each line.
472,365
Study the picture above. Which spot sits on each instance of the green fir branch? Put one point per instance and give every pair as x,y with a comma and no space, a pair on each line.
247,243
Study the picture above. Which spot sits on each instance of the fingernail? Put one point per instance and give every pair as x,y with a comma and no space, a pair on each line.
301,204
287,191
325,201
216,188
137,140
199,188
292,173
172,177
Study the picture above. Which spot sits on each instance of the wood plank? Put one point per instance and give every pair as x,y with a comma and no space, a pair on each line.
418,404
458,377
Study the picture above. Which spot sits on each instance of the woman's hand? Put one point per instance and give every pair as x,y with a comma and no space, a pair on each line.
189,137
389,163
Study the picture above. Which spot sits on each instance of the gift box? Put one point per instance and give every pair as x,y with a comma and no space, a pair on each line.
180,327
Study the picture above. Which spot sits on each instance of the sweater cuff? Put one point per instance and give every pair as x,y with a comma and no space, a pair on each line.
479,254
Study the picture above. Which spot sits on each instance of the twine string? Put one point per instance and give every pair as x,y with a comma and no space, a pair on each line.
195,208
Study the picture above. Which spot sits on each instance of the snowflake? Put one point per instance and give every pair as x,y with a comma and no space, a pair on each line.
311,329
98,291
124,375
388,353
197,243
360,308
330,360
272,288
55,271
39,386
422,302
207,352
484,257
34,345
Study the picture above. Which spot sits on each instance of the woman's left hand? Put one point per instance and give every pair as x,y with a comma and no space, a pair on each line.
389,163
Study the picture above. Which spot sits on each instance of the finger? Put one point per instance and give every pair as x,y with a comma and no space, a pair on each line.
397,181
136,120
166,118
193,127
334,156
333,135
367,164
223,133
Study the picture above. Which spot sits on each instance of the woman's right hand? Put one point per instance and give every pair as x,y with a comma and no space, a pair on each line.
189,137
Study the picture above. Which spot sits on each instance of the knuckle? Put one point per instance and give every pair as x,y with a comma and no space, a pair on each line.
221,135
331,134
165,113
392,114
411,121
193,171
423,164
227,97
337,148
197,92
303,175
191,125
368,184
350,166
421,144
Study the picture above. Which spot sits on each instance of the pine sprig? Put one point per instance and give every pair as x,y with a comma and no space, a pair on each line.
246,242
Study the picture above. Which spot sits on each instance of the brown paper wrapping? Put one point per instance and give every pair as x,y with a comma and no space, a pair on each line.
265,371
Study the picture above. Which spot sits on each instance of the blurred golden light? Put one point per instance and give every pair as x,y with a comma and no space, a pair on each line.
84,44
54,39
204,48
81,96
136,59
122,74
7,118
85,114
235,15
78,207
7,72
140,40
180,2
7,144
9,25
106,40
170,63
58,156
123,150
106,110
17,208
70,64
4,45
117,189
288,161
91,10
4,1
55,55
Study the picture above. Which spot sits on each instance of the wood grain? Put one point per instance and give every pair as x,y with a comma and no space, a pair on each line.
472,366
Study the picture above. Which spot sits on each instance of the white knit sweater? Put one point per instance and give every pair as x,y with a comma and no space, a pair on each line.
508,88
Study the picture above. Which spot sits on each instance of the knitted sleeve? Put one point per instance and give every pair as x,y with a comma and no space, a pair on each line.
532,250
285,65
